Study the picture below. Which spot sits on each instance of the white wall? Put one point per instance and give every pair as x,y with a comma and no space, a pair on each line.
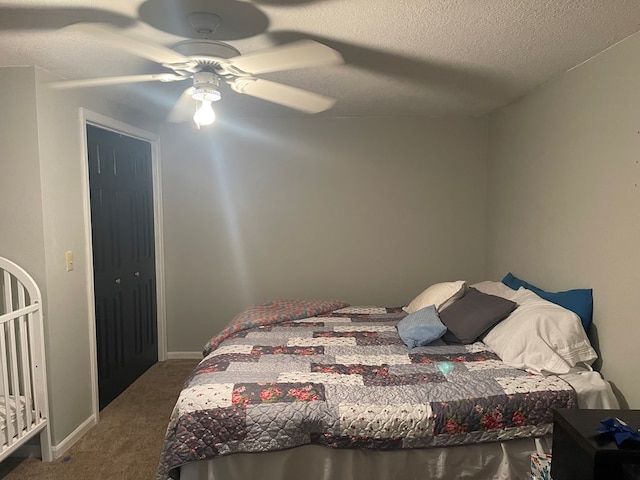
564,197
42,142
369,210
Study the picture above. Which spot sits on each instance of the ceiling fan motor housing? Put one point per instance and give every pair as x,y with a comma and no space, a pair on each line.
205,86
204,23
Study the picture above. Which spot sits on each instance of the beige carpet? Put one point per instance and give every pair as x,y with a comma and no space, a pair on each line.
126,443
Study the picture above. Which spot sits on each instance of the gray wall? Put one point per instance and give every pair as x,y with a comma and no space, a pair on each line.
61,159
42,198
564,197
20,193
369,210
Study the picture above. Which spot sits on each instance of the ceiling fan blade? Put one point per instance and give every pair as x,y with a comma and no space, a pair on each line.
286,95
184,108
130,43
300,54
101,81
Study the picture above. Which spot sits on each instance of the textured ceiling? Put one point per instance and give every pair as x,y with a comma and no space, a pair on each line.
403,57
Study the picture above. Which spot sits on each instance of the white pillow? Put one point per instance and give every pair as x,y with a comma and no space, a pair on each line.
439,294
498,289
540,336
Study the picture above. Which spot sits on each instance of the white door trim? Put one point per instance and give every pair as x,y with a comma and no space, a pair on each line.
89,117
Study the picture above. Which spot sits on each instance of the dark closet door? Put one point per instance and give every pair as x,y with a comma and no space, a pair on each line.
121,189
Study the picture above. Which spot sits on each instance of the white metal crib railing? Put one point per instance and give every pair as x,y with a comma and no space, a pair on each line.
23,388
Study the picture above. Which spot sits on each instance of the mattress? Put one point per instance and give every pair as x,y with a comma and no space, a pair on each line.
10,414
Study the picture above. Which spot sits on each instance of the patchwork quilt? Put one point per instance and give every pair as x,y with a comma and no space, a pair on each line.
343,378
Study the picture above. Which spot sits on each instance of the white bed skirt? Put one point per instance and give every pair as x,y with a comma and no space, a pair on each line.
510,460
497,460
504,461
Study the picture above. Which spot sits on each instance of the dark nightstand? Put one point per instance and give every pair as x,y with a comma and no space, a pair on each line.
581,453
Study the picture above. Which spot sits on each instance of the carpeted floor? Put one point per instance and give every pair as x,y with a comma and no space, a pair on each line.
126,443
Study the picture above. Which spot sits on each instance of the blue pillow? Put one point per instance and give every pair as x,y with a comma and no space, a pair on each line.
579,301
421,327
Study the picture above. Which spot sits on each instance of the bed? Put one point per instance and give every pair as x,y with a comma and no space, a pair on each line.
23,386
460,383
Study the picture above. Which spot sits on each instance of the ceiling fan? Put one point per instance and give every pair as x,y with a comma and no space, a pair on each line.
207,63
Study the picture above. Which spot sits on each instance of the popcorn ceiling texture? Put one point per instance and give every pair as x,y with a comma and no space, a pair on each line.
410,57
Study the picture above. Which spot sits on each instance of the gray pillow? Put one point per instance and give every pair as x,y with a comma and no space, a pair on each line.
473,315
421,327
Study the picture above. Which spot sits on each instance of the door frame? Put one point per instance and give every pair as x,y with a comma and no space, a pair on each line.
102,121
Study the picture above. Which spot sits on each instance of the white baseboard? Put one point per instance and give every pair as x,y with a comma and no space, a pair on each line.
184,355
60,449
